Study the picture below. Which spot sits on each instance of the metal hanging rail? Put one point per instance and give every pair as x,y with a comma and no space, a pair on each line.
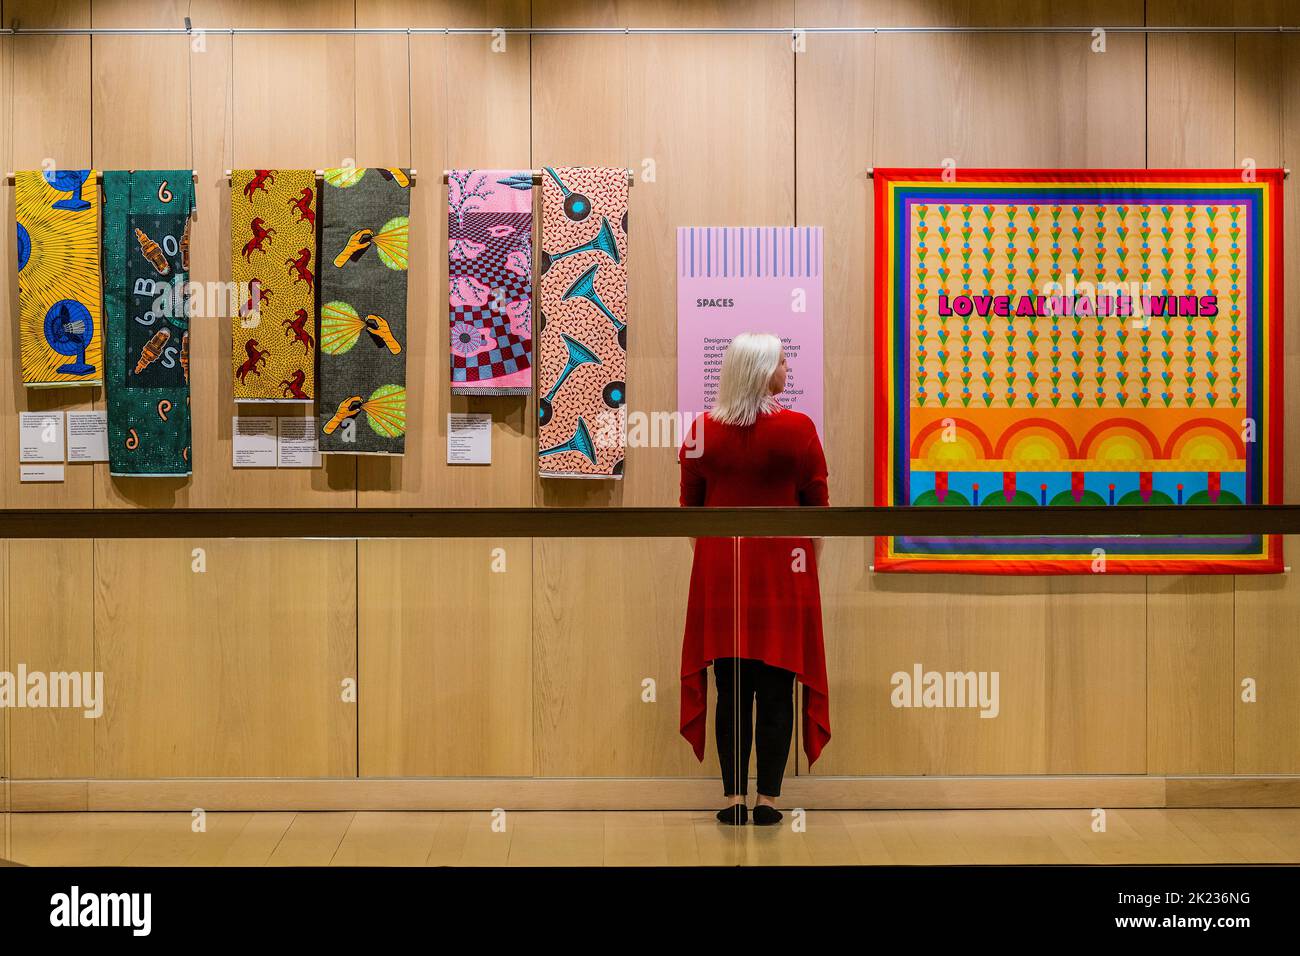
624,31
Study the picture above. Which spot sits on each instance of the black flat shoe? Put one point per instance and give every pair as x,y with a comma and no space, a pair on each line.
765,816
736,815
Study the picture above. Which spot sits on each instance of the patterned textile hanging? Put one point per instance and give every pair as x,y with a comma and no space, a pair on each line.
365,219
60,316
273,264
583,332
147,218
490,280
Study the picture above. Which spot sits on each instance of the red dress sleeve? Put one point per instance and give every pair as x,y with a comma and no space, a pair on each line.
812,483
693,483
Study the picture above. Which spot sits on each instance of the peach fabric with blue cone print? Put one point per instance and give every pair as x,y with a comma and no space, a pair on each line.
582,333
365,217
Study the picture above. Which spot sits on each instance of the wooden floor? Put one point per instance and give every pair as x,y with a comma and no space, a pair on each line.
580,838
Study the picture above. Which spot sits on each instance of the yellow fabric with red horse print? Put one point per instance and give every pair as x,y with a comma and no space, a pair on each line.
273,266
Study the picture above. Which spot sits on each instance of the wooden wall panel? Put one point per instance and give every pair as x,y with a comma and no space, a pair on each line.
1098,676
127,136
60,14
277,16
879,624
307,78
1258,102
834,150
1289,150
257,101
1190,93
589,107
1189,122
214,482
51,630
293,105
1266,740
726,161
443,13
1290,96
607,615
125,14
662,13
1264,645
4,654
1189,674
967,13
580,116
486,124
1265,648
382,98
384,131
235,671
8,247
8,275
1237,13
6,370
445,649
50,114
1074,684
48,109
1050,102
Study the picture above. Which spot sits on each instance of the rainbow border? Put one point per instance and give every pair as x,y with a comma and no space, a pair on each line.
894,185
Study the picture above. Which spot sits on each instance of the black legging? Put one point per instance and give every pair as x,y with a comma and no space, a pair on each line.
739,681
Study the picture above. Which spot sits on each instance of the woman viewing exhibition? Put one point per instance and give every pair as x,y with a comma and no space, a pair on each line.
755,607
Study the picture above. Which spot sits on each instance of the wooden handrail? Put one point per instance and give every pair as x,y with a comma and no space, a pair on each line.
645,522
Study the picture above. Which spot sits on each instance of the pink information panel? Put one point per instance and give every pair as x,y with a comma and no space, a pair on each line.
749,279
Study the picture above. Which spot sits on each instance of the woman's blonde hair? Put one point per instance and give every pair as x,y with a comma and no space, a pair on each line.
745,390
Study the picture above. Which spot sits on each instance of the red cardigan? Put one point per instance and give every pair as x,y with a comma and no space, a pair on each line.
771,611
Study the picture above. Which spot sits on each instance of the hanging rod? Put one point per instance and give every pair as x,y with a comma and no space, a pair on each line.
620,31
320,174
99,177
537,176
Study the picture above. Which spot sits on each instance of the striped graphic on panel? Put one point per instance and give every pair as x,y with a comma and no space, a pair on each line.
749,251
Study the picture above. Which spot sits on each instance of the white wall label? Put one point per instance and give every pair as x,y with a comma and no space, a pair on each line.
469,438
40,472
87,436
254,441
40,437
298,445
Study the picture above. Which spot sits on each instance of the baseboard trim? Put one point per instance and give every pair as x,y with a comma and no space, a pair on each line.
605,793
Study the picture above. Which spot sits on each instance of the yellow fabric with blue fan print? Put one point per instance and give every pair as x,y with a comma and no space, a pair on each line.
60,299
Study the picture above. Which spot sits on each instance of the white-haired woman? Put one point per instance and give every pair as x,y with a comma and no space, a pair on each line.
754,611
